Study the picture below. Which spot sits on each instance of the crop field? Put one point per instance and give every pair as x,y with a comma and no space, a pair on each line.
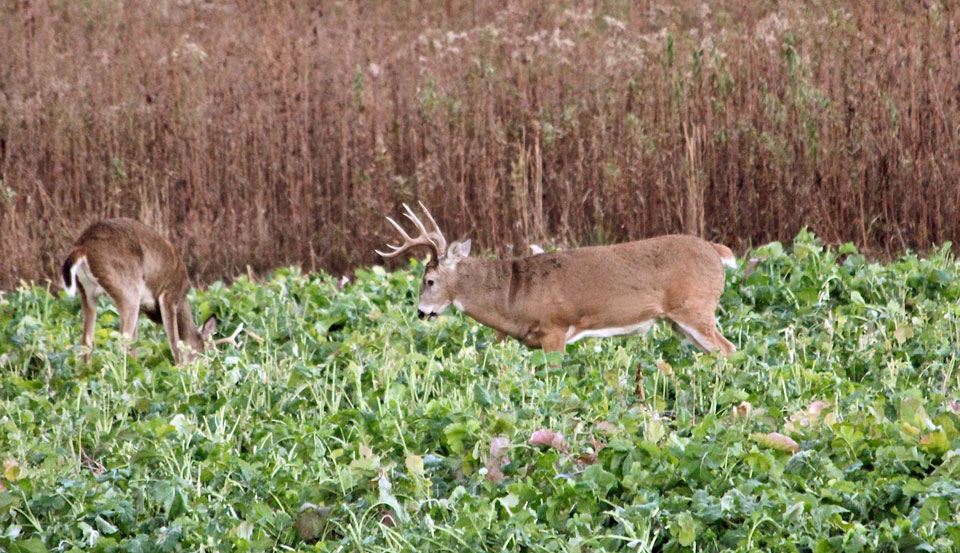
340,422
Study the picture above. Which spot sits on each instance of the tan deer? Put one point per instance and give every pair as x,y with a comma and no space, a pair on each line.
548,300
141,271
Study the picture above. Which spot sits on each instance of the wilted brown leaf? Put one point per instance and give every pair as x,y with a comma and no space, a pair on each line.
606,427
498,457
548,438
954,406
388,518
752,265
311,522
590,457
808,417
639,381
743,410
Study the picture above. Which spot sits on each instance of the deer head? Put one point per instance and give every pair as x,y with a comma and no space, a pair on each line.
439,279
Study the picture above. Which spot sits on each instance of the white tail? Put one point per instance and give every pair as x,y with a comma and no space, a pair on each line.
69,276
548,300
726,255
141,271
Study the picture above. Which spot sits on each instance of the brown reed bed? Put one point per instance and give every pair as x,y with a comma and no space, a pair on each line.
263,134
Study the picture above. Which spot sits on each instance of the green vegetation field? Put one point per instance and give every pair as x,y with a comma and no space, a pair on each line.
342,423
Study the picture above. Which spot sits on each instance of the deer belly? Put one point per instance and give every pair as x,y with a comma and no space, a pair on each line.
574,333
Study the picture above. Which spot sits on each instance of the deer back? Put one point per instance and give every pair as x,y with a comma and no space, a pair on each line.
653,275
124,253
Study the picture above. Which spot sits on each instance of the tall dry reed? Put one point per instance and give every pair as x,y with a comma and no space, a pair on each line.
268,133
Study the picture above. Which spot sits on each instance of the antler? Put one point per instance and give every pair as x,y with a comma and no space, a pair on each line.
433,240
232,339
436,236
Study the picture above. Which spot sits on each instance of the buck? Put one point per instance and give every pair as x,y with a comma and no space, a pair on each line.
548,300
141,271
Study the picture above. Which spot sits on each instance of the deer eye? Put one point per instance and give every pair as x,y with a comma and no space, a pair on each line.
429,282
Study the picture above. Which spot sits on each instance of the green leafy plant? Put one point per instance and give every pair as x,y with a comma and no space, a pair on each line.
340,422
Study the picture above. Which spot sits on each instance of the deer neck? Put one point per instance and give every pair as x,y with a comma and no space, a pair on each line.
481,292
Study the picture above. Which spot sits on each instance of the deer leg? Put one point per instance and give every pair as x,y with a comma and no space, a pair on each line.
89,322
726,346
168,312
128,307
702,331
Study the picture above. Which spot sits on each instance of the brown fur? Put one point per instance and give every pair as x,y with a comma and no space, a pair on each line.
537,299
125,256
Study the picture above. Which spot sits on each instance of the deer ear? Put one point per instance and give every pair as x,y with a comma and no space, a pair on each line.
458,250
209,327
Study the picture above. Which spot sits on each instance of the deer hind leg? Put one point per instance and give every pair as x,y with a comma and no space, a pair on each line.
701,330
726,346
168,312
89,305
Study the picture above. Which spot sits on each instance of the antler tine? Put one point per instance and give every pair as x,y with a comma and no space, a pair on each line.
402,232
408,242
396,249
416,220
438,235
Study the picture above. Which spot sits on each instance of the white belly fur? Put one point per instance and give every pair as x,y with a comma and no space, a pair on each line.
573,334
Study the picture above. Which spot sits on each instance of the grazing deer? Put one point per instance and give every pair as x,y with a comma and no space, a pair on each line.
548,300
141,271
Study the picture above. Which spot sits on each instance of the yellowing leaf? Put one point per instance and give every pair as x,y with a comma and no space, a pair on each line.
654,430
11,470
910,429
414,465
685,529
665,369
778,441
903,333
935,443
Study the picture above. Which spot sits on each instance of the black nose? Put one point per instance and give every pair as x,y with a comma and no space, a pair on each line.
421,314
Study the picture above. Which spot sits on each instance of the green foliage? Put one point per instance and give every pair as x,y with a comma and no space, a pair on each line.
342,423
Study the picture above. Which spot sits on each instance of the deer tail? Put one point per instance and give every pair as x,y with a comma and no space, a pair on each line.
726,254
69,270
